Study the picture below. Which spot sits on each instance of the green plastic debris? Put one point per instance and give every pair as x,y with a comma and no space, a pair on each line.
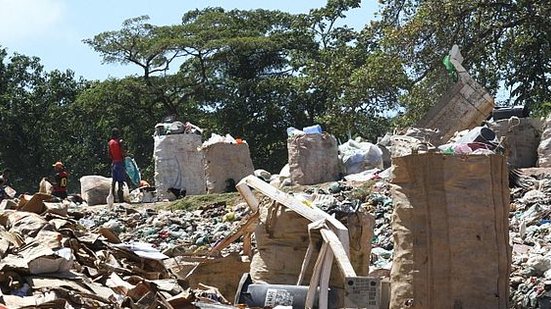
452,72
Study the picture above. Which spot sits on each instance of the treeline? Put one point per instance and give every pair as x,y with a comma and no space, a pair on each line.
254,73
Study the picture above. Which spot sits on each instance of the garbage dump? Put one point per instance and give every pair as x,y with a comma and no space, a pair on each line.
530,226
437,225
64,255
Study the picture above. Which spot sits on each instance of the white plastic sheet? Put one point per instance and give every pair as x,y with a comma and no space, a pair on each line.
360,156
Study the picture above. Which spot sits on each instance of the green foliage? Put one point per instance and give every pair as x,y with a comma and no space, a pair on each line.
253,73
504,43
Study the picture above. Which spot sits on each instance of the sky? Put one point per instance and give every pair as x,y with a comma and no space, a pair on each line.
53,30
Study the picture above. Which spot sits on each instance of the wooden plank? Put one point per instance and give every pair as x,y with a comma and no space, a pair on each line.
247,246
310,251
314,281
324,280
248,195
340,255
282,198
246,229
312,214
305,262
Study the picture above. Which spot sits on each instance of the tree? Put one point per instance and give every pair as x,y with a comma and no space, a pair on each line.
33,106
254,73
505,45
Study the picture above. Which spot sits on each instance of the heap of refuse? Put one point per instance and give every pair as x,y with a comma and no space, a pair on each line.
60,255
170,231
530,235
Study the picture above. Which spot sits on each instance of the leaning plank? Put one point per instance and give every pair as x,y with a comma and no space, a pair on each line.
310,250
248,195
312,214
340,254
324,280
314,280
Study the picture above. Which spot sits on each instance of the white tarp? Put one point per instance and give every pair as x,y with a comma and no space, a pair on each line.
178,164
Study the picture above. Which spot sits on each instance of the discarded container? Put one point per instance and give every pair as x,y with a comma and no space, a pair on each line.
478,135
508,112
464,106
272,295
315,129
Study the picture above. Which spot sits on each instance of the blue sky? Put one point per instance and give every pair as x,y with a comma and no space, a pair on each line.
53,30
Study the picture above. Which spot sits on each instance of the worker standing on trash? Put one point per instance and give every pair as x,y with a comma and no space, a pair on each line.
116,153
60,180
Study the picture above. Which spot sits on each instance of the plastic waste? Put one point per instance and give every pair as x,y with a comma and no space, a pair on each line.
315,129
479,135
23,291
461,149
360,156
293,131
132,170
110,199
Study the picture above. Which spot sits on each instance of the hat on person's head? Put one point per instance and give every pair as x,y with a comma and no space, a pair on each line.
58,164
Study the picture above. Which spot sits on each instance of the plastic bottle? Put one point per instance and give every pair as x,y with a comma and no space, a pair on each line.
315,129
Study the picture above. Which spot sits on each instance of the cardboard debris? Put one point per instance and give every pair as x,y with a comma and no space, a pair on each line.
35,204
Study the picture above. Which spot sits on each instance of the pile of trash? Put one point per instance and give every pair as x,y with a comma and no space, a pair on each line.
58,255
170,231
530,235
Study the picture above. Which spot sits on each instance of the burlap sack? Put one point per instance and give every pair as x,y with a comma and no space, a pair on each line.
451,238
313,158
282,239
521,137
178,164
463,106
225,165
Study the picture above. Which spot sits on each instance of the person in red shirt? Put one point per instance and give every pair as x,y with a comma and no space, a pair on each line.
60,181
116,153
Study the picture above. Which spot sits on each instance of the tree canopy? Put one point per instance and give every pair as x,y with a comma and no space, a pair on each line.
253,73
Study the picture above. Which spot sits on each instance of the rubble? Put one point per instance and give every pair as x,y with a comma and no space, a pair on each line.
530,234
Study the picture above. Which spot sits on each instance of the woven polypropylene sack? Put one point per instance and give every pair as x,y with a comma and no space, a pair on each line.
178,164
225,165
451,236
313,158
